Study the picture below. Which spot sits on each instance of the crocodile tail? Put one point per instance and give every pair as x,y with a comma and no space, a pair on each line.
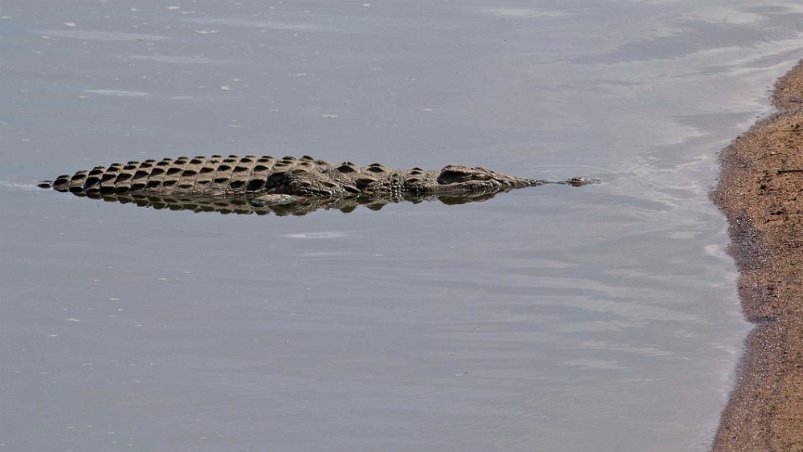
215,174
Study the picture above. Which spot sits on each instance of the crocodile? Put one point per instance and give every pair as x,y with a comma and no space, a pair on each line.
287,185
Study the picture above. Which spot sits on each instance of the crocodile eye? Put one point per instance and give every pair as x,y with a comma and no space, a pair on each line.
454,174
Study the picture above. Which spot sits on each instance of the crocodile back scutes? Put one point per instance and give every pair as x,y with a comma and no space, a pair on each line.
202,175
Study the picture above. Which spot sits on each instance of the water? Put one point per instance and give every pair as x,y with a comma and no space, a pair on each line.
561,319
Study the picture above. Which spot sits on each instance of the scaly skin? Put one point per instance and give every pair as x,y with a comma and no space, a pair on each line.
268,181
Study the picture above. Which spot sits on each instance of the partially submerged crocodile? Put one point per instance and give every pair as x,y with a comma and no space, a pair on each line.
253,184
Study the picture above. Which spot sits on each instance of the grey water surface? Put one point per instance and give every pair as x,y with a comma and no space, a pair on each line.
553,318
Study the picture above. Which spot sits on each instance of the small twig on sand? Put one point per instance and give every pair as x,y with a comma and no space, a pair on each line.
793,170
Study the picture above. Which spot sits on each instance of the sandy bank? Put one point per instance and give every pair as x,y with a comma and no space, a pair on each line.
761,193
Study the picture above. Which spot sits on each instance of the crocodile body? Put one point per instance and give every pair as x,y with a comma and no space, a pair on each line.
267,182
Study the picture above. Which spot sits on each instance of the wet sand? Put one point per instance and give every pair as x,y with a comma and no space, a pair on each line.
761,192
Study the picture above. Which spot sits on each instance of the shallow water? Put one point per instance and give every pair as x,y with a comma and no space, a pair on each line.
602,317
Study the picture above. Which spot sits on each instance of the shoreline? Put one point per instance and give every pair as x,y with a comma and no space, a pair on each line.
760,191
